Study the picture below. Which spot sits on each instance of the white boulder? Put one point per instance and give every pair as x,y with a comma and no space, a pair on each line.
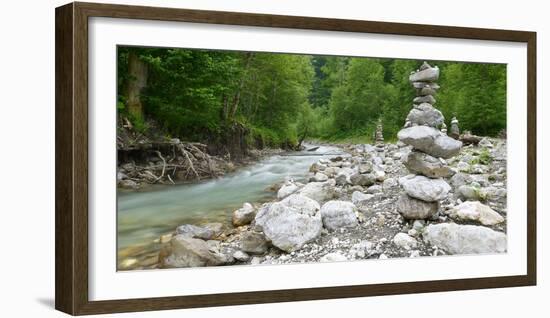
414,209
287,189
290,224
429,166
430,140
319,191
428,74
425,189
338,214
185,251
476,211
465,239
425,114
319,177
244,215
358,197
405,241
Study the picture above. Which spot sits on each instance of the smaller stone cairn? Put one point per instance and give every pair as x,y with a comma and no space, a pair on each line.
379,136
455,131
444,128
425,187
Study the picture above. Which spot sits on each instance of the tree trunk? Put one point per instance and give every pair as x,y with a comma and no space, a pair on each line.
302,138
225,107
237,97
137,70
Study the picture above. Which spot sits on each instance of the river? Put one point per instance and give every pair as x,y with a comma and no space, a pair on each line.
145,215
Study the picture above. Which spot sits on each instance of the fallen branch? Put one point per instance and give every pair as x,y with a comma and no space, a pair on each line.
206,156
146,174
191,166
163,165
169,178
198,144
467,138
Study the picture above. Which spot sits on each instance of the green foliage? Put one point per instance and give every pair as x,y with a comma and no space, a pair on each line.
283,98
365,89
480,194
476,94
395,112
355,105
275,93
186,89
321,88
484,158
139,123
271,138
120,106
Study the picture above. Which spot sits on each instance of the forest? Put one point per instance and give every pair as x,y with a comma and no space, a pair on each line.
233,158
278,100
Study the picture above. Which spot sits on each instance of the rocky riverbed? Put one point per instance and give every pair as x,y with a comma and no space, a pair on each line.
349,211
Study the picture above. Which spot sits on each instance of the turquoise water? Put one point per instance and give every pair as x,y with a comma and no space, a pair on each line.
144,216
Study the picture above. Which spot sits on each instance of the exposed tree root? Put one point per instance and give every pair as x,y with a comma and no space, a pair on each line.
164,162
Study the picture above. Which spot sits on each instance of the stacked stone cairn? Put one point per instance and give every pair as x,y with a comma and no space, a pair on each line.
425,187
379,136
455,131
444,128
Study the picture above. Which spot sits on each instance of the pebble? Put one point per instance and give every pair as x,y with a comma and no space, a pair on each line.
241,256
284,257
381,220
256,260
165,238
404,241
333,257
418,225
127,263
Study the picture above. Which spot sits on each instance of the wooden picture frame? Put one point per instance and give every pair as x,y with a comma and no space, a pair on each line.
71,89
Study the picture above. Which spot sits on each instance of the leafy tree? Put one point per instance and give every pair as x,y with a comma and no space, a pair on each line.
476,94
402,94
321,90
281,99
187,88
356,104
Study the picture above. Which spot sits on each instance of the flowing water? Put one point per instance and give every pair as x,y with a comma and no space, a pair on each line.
144,216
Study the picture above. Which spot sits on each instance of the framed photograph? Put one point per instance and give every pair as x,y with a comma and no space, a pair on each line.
211,158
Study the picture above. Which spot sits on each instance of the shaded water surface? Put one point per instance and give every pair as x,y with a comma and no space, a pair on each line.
144,216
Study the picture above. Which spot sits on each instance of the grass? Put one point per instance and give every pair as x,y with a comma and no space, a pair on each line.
483,158
480,194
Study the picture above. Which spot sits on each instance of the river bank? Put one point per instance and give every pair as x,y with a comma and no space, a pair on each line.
361,191
148,158
146,214
194,166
